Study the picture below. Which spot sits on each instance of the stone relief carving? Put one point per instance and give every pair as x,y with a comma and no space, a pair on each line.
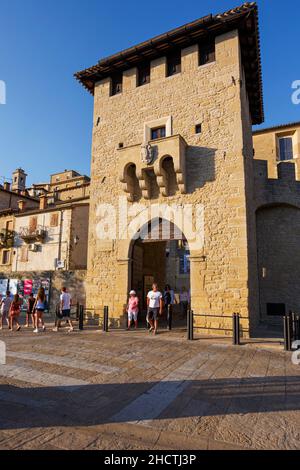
147,153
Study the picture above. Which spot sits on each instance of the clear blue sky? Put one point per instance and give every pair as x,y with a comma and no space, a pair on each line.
46,124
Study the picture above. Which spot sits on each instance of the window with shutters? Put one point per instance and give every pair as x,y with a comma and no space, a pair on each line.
9,225
32,224
174,63
143,72
54,220
286,148
207,52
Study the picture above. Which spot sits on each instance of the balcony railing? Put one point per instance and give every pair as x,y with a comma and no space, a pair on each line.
31,235
6,238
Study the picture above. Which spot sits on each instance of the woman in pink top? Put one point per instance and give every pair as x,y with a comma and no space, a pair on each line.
132,309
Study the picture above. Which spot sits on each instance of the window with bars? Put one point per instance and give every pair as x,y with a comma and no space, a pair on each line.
143,74
158,132
116,84
207,52
286,148
174,63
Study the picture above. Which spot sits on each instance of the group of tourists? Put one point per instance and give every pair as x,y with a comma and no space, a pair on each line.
10,310
11,306
157,303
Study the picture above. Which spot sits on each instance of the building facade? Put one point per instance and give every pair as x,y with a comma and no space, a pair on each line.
172,126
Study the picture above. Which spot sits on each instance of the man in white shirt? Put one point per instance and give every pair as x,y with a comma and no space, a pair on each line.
155,307
65,309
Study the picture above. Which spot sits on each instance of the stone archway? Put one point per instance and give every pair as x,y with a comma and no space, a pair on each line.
160,254
278,258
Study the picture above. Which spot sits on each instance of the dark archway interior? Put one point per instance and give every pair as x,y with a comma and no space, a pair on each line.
162,258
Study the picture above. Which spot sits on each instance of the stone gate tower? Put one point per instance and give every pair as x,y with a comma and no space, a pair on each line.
172,125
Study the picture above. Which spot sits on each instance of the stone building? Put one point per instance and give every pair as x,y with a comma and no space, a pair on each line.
63,186
278,144
44,228
173,125
276,204
52,237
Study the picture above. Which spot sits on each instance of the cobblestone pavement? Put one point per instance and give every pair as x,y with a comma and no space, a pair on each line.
130,390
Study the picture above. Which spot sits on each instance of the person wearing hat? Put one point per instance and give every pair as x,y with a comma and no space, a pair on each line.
132,309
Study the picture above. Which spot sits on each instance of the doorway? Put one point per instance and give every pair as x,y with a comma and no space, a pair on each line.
163,258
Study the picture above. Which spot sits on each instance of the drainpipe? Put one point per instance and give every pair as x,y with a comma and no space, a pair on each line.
60,235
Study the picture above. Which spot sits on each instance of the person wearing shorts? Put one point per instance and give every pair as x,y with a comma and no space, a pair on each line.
132,309
39,308
65,309
4,310
155,308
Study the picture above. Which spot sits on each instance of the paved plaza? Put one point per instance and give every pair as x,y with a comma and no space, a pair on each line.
130,390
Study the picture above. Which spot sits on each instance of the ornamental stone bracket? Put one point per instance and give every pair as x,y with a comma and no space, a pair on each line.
162,159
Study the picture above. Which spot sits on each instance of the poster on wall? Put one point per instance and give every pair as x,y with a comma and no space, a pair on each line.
27,287
13,286
3,286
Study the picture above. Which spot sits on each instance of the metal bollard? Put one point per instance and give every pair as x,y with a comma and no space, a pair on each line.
236,329
80,325
287,330
190,325
170,317
105,319
297,328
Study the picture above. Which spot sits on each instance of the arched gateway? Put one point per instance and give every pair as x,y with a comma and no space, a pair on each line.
160,253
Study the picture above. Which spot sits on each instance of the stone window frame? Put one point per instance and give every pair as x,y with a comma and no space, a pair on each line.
156,123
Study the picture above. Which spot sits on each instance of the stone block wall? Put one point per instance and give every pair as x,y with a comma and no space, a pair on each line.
215,168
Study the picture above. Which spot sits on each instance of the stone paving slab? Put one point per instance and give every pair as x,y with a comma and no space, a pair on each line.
130,390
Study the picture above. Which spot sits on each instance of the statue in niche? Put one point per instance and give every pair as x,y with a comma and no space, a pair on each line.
147,153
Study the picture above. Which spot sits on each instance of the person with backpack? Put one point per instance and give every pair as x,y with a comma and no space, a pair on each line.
30,311
14,312
4,309
39,307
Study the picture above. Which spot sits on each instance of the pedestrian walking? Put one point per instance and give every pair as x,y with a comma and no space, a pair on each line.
30,311
39,308
4,310
155,308
65,309
132,309
14,312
